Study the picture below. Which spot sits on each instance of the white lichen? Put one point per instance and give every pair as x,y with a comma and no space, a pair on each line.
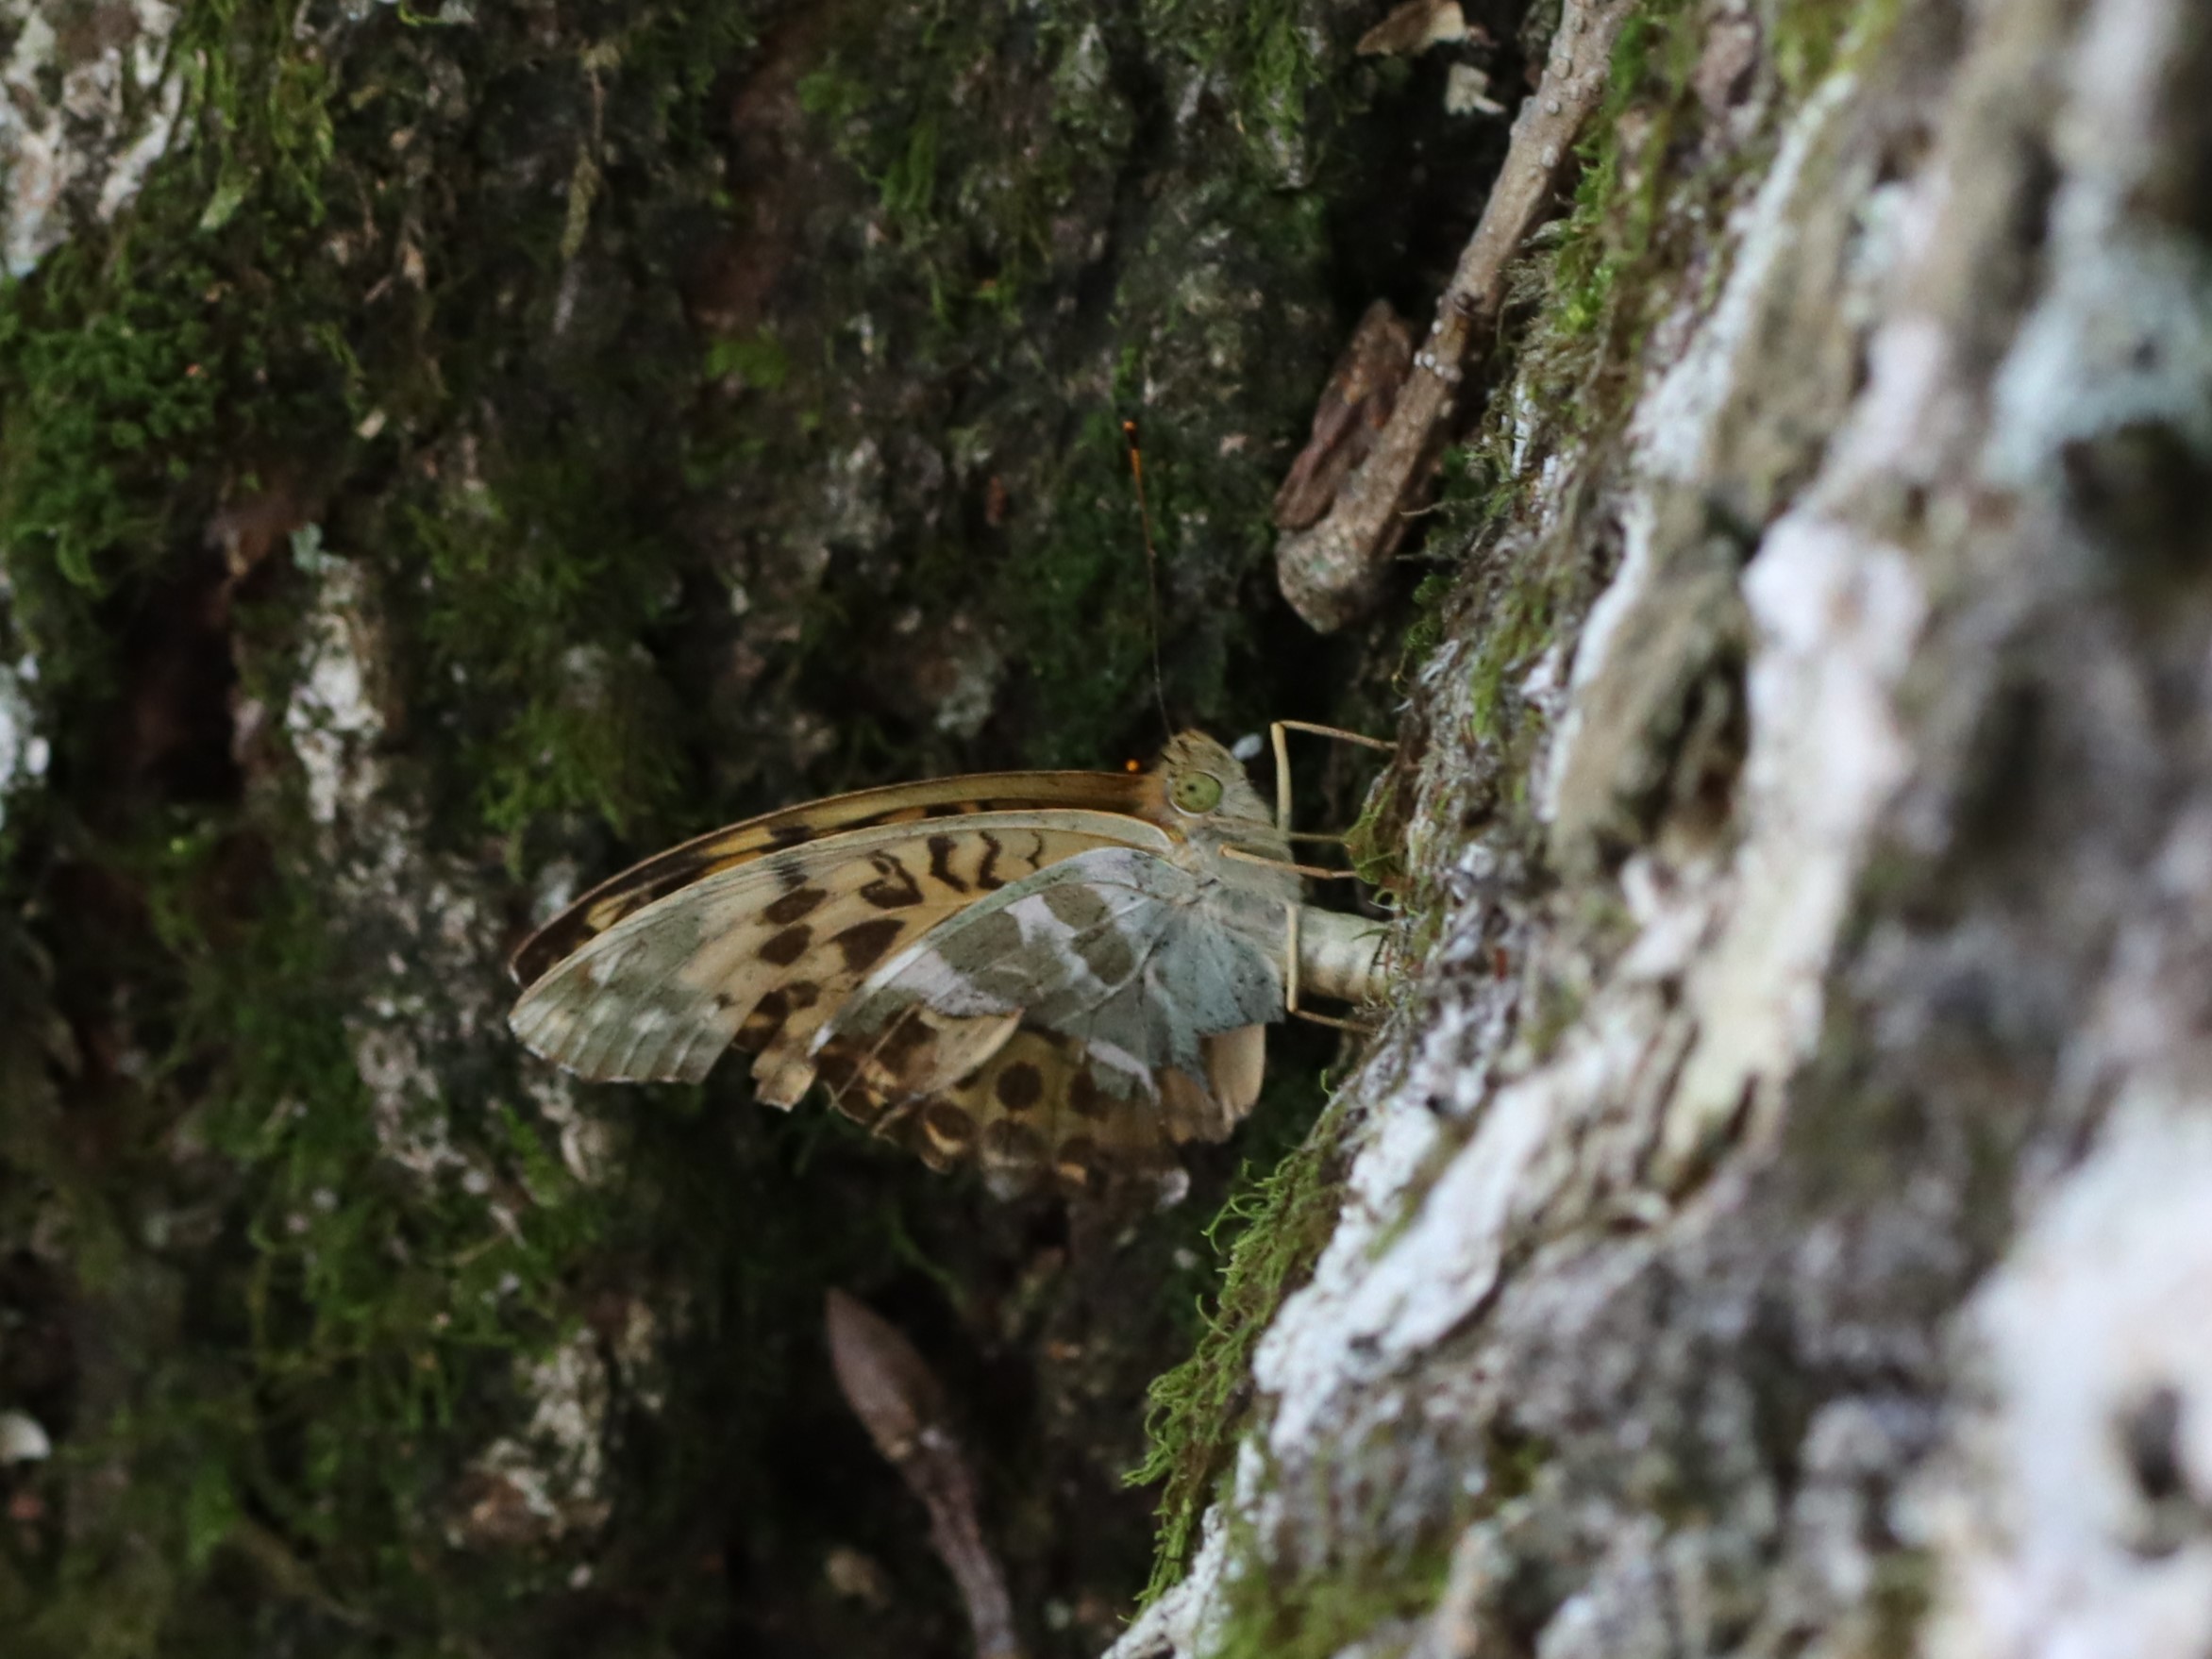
549,1480
89,103
333,721
1837,615
24,751
2071,1522
2123,336
1673,427
22,1439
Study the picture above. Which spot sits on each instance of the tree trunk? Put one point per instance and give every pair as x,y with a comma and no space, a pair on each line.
446,454
1775,1219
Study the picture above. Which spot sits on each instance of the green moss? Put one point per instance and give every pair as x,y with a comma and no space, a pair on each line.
102,402
1513,1460
371,1297
118,355
1273,1231
1901,1598
1083,578
538,582
1376,841
349,1323
975,257
1263,52
1598,268
1321,1614
1812,37
1558,1006
758,360
1517,630
1586,290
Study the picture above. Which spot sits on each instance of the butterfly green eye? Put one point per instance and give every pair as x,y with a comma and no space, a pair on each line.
1196,792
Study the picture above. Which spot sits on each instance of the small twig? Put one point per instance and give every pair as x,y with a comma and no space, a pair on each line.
899,1402
1332,572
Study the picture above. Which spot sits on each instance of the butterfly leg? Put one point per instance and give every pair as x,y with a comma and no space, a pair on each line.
1278,734
1244,855
1348,957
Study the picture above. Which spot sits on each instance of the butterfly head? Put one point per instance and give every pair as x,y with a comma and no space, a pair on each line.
1202,782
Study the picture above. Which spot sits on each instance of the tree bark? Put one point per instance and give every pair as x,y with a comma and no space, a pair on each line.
447,452
1777,1217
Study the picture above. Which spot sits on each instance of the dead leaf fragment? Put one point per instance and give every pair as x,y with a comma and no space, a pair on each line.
1354,405
1414,27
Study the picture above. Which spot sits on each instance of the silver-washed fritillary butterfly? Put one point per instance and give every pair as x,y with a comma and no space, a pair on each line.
1059,975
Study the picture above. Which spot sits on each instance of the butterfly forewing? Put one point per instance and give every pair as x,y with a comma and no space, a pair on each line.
764,949
679,867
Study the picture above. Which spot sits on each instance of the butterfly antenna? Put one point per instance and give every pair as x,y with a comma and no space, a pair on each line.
1136,472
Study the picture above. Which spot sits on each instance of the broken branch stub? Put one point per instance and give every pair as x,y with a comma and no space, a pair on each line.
1353,409
901,1403
1333,572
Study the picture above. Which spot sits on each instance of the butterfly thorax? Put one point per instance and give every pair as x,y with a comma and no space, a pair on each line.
1224,835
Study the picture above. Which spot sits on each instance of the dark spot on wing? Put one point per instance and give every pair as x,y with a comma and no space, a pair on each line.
896,1052
777,1004
835,1066
1076,905
793,905
863,943
983,944
1020,1086
790,873
787,946
1087,1098
894,887
987,876
948,1128
789,835
863,1107
766,1020
940,863
1109,955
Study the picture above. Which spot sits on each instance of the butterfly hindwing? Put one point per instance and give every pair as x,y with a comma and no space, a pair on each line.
1088,1017
763,951
1033,1112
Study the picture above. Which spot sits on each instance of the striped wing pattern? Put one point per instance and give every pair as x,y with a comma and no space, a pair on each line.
900,803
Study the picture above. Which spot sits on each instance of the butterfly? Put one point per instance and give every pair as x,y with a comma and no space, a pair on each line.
1058,975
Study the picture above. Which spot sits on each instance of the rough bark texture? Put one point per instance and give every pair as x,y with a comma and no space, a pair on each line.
1776,1218
443,454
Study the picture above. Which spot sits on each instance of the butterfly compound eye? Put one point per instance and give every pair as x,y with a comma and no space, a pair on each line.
1198,792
